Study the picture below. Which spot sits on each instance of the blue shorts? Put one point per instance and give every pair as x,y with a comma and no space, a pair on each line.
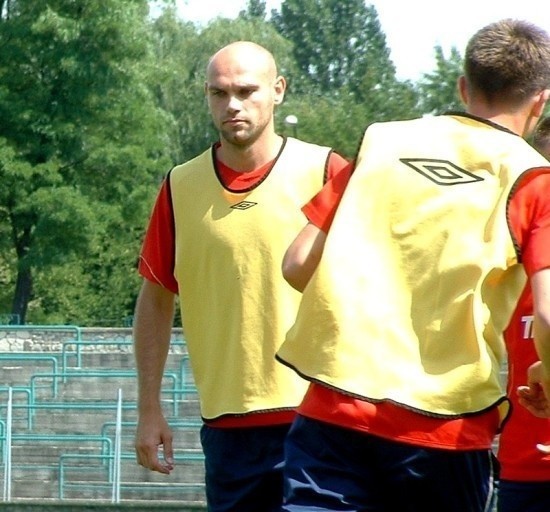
523,496
329,468
244,468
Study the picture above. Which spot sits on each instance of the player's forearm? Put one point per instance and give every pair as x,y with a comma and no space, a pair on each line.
541,297
542,341
152,332
302,257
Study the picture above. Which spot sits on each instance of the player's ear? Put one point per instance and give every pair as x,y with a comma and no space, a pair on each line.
462,88
280,88
540,102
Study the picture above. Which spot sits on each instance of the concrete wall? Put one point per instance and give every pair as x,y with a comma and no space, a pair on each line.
34,338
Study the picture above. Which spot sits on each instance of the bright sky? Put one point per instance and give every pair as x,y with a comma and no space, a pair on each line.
412,27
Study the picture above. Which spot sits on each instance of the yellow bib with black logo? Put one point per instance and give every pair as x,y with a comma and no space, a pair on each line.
419,275
235,304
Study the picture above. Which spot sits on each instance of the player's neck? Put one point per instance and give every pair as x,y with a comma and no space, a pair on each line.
249,158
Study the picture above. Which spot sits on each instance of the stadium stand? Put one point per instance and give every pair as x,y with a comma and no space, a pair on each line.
64,382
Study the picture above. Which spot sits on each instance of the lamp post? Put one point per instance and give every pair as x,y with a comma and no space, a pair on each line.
292,121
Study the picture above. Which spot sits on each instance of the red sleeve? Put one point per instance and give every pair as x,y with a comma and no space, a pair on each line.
321,209
336,163
529,214
156,261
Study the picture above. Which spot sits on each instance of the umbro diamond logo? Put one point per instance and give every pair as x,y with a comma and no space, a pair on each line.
441,172
243,205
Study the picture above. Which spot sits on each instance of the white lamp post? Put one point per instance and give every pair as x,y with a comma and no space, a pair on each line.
292,121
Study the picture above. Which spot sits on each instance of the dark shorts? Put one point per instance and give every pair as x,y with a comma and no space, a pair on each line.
524,496
244,468
334,469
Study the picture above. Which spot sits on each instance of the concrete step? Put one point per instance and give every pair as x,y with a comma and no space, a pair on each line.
33,473
185,494
76,418
85,407
92,482
29,489
48,452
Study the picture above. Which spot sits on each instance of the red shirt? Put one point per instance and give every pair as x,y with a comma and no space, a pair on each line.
529,212
519,458
156,262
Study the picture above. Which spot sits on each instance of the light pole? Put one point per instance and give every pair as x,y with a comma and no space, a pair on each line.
292,121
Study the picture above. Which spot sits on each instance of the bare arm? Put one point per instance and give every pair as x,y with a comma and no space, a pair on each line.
303,256
536,396
541,300
153,320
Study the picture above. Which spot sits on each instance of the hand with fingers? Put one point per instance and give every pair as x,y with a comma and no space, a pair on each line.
535,397
153,433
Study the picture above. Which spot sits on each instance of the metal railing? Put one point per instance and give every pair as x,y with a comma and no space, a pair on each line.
30,358
75,348
41,393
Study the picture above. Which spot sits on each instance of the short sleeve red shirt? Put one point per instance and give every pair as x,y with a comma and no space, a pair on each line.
529,220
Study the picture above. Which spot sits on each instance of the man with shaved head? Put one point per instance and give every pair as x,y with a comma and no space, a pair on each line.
216,238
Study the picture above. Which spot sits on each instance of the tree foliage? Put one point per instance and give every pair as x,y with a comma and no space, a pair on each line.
345,78
336,43
255,10
79,127
438,90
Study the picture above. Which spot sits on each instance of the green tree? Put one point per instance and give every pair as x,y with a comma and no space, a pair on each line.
438,90
80,139
338,120
255,10
346,79
336,43
175,91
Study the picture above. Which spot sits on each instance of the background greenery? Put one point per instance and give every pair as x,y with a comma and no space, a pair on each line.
98,100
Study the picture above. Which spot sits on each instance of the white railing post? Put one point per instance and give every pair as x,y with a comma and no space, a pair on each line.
117,453
7,448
